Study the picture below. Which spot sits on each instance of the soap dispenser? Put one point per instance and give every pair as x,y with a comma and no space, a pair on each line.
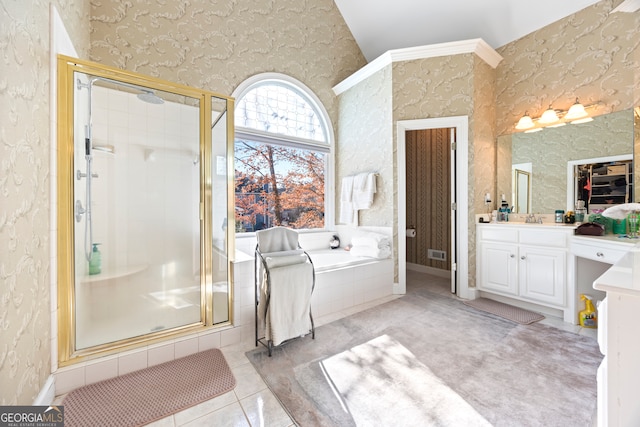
95,262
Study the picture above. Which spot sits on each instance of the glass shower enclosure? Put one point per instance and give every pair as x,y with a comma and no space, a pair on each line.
144,192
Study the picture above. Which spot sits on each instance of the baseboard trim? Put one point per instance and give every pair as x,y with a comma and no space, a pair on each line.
397,289
47,393
429,270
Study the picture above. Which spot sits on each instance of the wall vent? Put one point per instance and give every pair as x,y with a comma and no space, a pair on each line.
435,254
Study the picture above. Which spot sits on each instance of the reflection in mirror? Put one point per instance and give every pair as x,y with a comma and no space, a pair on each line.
602,182
550,150
521,196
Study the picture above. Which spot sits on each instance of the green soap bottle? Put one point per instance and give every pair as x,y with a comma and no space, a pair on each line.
95,263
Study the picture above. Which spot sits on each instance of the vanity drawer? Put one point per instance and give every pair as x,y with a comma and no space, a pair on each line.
533,236
498,235
598,253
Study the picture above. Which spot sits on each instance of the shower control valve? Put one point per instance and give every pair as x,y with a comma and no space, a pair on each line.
79,211
80,175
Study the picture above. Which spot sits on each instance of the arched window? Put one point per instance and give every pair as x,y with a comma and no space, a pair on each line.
283,153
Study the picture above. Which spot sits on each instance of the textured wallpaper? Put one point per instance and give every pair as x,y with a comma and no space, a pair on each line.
25,257
591,55
365,135
482,150
218,45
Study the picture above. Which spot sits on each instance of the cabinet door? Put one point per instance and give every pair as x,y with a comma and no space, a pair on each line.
542,274
499,267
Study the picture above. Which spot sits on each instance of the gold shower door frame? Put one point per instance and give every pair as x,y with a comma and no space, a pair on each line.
66,67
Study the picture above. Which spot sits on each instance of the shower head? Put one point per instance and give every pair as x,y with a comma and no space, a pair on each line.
150,97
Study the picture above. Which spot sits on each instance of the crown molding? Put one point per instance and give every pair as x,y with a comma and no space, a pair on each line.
477,46
628,6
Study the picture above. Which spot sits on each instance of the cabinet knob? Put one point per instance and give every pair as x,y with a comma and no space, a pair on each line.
523,257
599,254
512,256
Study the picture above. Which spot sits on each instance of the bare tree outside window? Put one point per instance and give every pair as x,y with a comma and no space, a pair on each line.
280,182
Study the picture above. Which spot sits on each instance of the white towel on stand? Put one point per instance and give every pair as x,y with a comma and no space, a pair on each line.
290,302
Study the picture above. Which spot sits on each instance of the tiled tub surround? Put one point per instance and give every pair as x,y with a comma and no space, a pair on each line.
342,280
340,288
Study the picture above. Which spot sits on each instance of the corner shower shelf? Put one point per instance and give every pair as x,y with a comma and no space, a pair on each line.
115,273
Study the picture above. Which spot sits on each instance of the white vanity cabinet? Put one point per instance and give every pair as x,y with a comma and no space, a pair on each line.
527,262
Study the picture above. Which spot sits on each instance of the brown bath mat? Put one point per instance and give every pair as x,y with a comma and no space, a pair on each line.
147,395
507,311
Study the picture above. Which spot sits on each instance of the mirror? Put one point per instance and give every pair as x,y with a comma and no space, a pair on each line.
550,150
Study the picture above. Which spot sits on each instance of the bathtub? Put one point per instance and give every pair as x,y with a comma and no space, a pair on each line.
343,281
333,259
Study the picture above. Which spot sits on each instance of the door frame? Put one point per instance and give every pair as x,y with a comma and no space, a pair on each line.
459,229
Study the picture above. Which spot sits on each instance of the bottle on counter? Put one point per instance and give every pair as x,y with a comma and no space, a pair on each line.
581,211
559,216
569,218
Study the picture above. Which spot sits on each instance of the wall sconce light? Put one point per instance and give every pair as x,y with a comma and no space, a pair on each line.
576,111
554,118
549,116
525,122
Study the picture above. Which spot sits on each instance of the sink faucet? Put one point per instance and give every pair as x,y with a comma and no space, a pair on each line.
531,219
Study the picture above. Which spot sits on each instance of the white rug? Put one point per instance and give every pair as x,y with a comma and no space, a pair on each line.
380,379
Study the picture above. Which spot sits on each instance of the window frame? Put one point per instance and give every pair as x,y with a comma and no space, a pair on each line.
264,137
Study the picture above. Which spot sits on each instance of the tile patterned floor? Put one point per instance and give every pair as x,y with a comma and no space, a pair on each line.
251,403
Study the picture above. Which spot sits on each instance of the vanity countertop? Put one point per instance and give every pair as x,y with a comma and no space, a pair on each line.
532,225
620,239
623,276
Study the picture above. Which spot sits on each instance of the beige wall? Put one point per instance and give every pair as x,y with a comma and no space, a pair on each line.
364,143
25,178
217,48
592,55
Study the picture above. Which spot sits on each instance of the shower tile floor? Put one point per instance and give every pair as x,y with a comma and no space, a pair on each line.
251,403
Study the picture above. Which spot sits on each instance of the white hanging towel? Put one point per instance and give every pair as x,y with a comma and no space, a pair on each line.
346,202
364,187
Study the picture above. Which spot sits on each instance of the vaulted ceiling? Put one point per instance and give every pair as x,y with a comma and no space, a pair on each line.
382,25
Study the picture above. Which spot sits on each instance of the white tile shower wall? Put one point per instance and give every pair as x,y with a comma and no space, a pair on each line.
151,151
